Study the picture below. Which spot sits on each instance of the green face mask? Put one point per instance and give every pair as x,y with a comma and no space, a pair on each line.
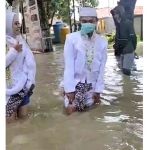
87,28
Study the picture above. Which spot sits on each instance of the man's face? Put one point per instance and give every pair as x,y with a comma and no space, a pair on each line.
88,19
116,16
16,25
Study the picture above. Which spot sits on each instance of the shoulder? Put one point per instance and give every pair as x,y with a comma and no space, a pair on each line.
10,40
73,35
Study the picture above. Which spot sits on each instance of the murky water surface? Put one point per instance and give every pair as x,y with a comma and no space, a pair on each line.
115,126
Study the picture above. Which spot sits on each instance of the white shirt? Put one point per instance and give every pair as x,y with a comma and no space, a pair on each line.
75,63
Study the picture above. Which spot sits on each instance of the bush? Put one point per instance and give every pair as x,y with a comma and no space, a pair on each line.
111,38
138,38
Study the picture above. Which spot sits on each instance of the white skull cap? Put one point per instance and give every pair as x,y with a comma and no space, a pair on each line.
87,11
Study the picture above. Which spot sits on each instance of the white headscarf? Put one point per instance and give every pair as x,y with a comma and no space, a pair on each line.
9,21
9,29
87,11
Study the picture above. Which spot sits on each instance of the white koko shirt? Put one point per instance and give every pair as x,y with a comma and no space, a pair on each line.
75,62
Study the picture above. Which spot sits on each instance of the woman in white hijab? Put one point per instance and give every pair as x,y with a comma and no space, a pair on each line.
20,70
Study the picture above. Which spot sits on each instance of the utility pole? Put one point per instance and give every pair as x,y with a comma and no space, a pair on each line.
108,16
69,15
75,25
74,12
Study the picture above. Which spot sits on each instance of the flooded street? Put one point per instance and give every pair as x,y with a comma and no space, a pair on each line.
116,124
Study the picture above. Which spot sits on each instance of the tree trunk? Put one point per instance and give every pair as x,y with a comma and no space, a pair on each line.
42,14
52,17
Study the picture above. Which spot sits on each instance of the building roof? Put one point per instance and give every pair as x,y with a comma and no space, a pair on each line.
105,12
138,10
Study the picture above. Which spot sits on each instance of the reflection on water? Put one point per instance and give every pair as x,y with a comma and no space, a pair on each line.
115,125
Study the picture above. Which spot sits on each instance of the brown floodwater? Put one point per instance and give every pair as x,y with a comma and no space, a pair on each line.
116,124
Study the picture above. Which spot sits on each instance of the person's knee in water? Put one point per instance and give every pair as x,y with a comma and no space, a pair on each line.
83,98
23,108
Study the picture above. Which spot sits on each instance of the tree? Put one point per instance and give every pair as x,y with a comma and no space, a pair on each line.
92,3
60,8
50,8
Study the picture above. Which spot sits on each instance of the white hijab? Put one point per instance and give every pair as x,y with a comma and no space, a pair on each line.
9,29
9,21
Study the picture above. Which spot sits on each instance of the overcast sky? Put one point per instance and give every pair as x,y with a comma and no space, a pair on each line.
113,3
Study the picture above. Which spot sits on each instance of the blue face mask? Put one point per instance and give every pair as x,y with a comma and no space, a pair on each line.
87,28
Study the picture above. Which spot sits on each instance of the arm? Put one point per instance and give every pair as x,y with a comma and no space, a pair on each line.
18,86
29,67
69,81
132,34
11,56
100,81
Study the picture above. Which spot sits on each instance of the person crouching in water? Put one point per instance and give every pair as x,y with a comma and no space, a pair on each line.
85,55
126,40
20,70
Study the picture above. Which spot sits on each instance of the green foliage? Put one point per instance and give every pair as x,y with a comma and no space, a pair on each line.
60,8
63,11
111,38
92,3
138,38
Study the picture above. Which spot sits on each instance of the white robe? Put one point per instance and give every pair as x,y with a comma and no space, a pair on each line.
22,68
75,64
22,64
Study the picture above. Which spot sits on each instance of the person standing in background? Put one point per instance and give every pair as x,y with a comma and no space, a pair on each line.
125,39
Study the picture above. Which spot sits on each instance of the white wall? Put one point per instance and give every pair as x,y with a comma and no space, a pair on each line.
137,25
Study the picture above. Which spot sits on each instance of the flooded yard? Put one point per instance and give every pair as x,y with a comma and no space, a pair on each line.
116,124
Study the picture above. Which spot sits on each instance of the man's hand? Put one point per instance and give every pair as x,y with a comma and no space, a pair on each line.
70,96
96,97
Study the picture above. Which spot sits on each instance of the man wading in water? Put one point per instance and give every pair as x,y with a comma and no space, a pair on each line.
85,54
126,39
